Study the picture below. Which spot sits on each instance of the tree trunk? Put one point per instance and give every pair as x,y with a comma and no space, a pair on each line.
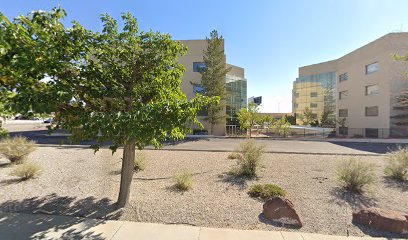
211,129
127,174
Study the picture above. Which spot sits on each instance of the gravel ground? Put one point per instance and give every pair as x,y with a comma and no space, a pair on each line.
77,182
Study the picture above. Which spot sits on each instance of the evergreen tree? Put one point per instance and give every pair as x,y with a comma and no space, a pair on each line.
213,78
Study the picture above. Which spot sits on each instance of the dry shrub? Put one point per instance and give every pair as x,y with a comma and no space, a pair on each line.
17,149
397,166
26,170
183,181
249,159
140,161
354,174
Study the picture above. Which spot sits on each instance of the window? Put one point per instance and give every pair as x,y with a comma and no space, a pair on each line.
313,94
343,95
343,112
296,95
372,90
343,77
343,131
371,111
371,68
197,88
314,115
295,105
313,105
371,132
198,66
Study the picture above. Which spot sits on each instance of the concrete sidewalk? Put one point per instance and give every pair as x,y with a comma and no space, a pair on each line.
36,226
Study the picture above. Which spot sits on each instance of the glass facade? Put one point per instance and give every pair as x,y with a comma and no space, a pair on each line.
316,92
236,97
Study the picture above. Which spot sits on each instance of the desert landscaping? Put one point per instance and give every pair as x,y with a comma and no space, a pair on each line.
75,181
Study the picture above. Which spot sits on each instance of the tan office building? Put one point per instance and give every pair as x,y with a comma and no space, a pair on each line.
236,86
367,82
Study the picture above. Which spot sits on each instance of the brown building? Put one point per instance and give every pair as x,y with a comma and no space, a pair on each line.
360,87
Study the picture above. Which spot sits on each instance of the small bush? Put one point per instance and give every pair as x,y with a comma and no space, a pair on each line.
183,181
397,166
16,149
26,170
3,133
140,161
249,159
354,175
266,191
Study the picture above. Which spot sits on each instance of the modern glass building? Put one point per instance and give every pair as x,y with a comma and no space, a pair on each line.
316,92
236,97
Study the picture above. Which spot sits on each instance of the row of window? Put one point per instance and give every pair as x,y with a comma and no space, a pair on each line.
369,132
370,68
370,90
369,112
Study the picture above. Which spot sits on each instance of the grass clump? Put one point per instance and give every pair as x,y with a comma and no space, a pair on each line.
183,181
17,149
26,170
140,161
249,159
266,191
354,174
397,166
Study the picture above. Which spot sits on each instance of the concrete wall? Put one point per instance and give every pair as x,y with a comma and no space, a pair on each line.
195,54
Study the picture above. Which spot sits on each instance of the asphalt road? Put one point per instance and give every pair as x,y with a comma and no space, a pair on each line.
38,132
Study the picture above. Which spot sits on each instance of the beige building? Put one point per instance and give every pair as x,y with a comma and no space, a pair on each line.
236,87
366,84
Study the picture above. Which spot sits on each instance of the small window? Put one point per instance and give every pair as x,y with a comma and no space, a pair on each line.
197,88
371,68
314,115
313,105
371,111
199,66
313,94
343,113
296,95
343,95
372,90
343,77
343,131
371,132
295,105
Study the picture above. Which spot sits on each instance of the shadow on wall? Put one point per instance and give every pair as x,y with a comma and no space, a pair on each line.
51,206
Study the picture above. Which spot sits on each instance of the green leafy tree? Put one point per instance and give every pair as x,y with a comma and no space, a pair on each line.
291,119
342,122
121,86
283,127
308,117
327,119
213,78
248,117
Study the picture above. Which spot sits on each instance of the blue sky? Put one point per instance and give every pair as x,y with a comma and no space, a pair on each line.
270,39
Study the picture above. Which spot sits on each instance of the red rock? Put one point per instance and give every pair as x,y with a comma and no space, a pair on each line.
279,208
382,219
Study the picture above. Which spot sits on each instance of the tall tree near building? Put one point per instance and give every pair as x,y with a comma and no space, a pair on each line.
118,86
213,78
308,117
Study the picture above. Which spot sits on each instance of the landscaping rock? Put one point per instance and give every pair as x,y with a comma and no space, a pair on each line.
282,209
383,219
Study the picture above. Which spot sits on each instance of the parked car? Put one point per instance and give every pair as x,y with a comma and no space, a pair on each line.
49,120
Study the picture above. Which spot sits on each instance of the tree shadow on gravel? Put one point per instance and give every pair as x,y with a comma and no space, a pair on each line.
398,184
53,204
354,200
9,181
45,216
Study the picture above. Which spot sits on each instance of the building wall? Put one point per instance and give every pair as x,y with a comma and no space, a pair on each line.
235,77
390,79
